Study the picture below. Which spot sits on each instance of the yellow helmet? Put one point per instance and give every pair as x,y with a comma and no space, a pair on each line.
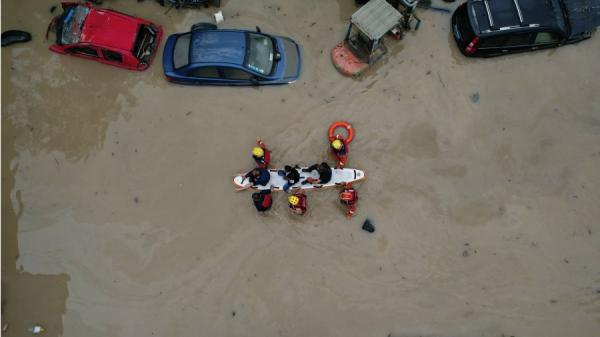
257,151
336,144
293,200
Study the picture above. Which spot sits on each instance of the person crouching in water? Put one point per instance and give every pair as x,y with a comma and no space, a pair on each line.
297,203
263,200
261,155
340,150
349,198
324,171
259,176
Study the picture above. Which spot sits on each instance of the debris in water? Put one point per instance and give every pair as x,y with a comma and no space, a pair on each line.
136,200
37,329
475,97
219,17
368,226
14,36
233,314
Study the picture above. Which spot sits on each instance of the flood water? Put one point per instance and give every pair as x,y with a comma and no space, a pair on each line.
119,217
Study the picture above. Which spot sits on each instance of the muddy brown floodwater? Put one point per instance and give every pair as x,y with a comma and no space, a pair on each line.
119,217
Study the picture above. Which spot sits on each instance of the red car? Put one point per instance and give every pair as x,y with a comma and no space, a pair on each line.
105,35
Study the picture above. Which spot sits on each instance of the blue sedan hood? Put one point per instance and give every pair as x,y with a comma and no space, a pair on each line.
218,47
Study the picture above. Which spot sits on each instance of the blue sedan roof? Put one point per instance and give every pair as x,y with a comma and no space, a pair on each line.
218,46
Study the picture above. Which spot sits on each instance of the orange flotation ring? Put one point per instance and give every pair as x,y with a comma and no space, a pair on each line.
345,125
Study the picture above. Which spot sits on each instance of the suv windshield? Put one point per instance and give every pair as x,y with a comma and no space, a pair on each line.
72,24
259,53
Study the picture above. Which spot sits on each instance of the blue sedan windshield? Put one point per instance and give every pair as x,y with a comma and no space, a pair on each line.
260,53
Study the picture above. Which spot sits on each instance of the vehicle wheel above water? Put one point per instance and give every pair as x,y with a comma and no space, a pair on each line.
203,26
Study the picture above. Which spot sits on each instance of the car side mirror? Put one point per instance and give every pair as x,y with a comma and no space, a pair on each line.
258,29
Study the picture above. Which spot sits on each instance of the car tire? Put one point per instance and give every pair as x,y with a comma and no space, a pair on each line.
203,26
216,3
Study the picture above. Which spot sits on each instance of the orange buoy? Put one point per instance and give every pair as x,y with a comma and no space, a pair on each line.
345,125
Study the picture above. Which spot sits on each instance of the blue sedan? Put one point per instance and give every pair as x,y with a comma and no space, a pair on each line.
210,56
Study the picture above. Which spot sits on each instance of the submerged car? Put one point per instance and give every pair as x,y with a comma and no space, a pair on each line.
491,28
105,35
210,56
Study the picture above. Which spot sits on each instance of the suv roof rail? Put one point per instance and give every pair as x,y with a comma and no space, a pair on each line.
489,13
491,19
516,2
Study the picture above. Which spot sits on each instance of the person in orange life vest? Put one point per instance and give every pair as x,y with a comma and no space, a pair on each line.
349,198
297,203
339,147
261,155
262,200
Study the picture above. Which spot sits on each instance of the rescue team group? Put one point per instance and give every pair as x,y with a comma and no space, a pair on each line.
297,201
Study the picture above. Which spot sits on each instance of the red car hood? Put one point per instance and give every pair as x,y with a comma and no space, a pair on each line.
109,29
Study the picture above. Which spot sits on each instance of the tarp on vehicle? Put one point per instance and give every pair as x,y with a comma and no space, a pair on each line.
584,15
376,18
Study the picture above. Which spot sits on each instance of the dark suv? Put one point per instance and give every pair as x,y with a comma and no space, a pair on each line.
490,28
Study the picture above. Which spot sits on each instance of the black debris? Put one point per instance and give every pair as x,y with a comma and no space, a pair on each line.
475,97
368,226
14,36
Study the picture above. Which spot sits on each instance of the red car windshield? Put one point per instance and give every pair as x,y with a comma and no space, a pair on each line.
72,24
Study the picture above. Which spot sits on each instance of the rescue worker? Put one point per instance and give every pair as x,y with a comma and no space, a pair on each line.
297,203
349,198
262,200
339,147
261,155
259,176
324,171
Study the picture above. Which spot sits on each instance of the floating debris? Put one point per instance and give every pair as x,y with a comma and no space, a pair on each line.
368,226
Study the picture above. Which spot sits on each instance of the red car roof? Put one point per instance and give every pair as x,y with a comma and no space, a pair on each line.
110,29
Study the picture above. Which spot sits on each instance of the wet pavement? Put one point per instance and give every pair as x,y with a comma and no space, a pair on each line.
119,216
